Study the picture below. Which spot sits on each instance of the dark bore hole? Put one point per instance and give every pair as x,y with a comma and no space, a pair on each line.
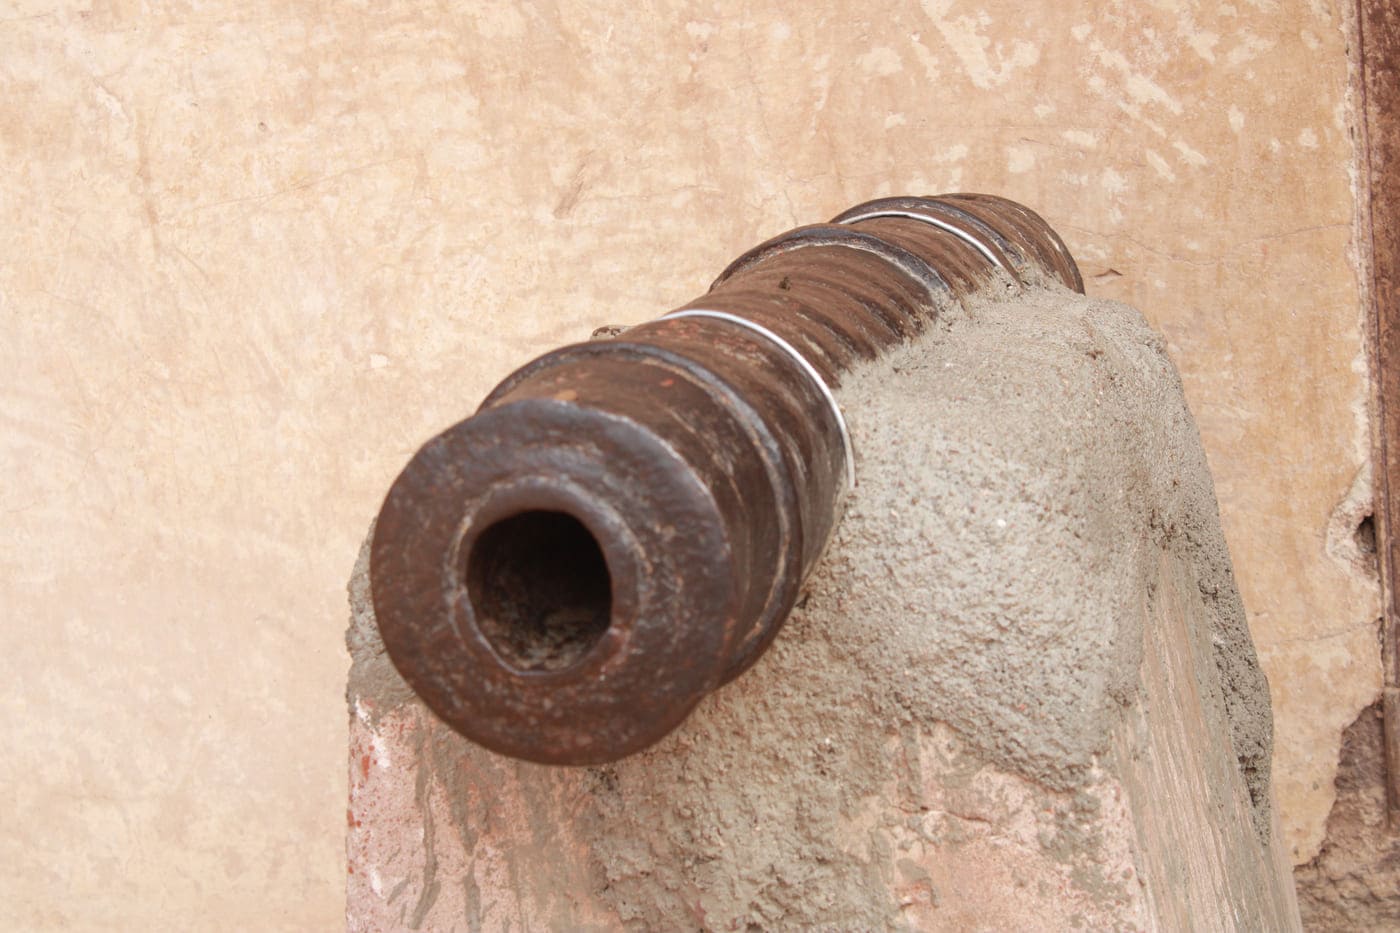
540,588
1366,535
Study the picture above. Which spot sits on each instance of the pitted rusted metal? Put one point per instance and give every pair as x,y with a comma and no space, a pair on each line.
624,524
993,245
1027,231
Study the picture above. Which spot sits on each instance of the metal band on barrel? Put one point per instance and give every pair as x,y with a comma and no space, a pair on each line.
803,364
941,225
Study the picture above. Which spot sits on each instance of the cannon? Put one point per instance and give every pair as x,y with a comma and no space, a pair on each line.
624,524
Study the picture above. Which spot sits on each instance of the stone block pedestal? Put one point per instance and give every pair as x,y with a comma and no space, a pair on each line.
1019,695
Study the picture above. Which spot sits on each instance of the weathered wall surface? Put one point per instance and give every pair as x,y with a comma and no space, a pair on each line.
1354,882
252,254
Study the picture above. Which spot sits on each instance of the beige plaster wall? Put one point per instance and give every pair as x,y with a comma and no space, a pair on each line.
252,254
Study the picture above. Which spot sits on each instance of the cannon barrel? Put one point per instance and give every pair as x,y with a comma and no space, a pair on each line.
624,524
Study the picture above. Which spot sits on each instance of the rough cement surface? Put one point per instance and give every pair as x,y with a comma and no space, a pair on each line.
983,599
1354,882
1027,579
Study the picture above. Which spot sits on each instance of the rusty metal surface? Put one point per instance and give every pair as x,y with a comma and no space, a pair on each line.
624,524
